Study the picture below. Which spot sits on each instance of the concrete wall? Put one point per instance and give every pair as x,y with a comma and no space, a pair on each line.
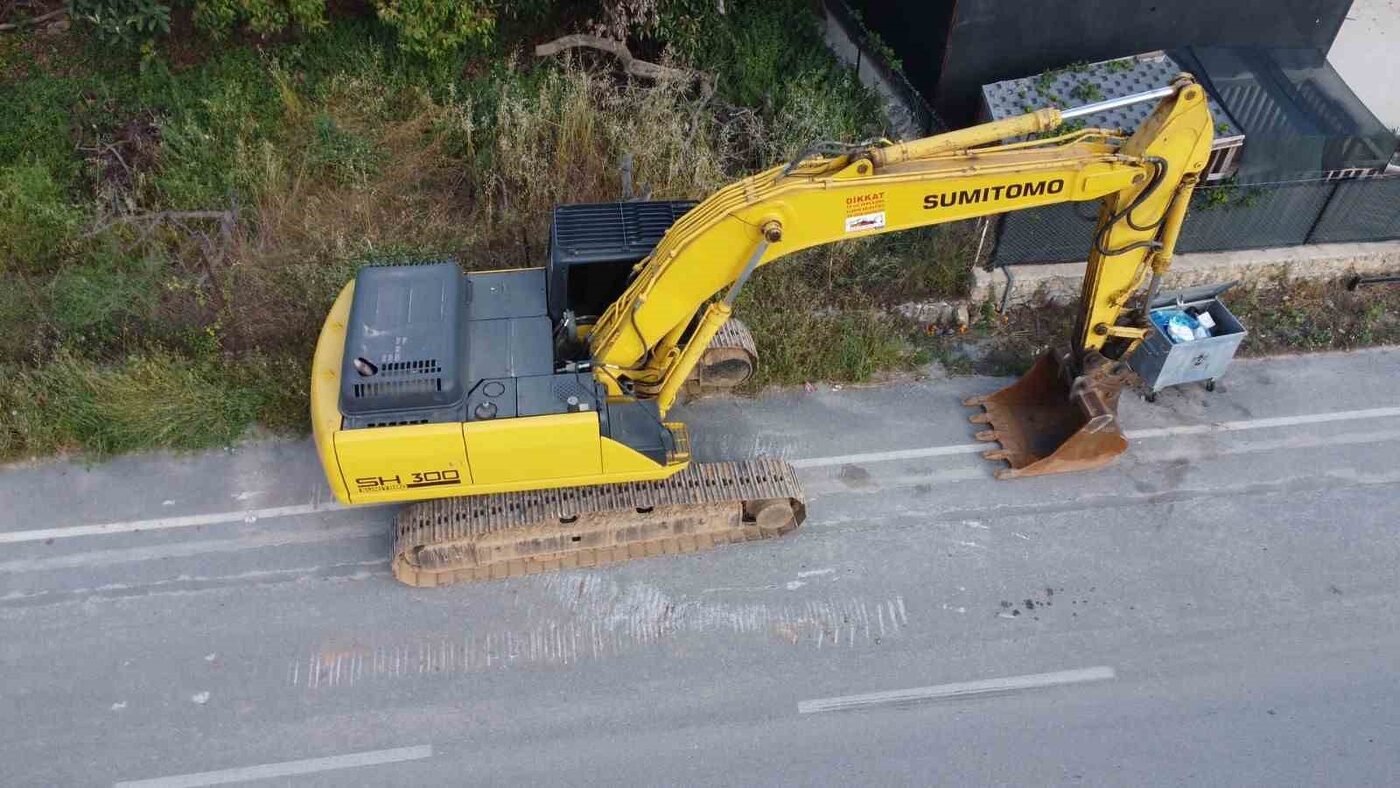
950,49
1061,283
842,42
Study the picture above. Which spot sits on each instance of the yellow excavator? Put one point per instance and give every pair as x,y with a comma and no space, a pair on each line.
522,414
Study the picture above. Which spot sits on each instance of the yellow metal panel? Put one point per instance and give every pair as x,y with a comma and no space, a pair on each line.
534,448
630,464
325,390
403,463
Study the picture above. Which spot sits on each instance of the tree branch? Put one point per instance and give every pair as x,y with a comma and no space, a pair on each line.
32,20
225,219
618,49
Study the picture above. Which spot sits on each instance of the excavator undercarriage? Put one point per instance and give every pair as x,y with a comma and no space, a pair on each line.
488,537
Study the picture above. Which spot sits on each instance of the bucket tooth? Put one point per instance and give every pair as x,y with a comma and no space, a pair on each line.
987,436
974,402
1050,421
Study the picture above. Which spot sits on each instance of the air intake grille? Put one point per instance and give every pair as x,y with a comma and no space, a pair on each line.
614,229
399,423
395,388
426,366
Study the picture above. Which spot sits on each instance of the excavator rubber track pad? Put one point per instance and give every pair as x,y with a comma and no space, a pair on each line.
489,537
1045,425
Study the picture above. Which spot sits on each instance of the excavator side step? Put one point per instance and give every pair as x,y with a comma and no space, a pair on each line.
488,537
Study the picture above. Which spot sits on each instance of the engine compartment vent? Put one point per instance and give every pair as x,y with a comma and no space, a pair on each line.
426,366
402,348
394,388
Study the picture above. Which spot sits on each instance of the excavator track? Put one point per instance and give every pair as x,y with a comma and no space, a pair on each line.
728,361
489,537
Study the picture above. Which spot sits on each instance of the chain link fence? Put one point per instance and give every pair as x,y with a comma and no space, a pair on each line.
1222,218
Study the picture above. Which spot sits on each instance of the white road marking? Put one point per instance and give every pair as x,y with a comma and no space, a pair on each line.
165,523
1158,432
963,689
185,548
886,456
253,515
1261,424
270,771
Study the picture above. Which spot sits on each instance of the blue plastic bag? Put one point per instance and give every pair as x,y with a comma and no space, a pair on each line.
1176,324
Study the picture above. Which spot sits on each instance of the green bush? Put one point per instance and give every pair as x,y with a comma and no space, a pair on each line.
37,117
126,23
438,28
265,17
218,128
340,154
95,299
819,106
796,345
23,308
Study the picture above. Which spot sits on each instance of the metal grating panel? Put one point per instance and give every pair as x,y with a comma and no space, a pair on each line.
1074,86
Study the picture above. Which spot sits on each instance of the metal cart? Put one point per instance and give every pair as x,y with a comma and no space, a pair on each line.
1161,363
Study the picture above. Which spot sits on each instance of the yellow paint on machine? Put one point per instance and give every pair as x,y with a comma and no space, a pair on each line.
405,463
1144,182
556,446
422,461
325,390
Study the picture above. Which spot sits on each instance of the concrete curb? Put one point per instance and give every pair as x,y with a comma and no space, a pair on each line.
1060,282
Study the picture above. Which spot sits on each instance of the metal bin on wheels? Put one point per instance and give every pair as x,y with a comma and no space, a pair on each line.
1161,363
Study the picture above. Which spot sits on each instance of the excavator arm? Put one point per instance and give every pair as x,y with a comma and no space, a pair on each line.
652,336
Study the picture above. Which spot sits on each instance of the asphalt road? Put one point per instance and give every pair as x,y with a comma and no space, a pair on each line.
1218,608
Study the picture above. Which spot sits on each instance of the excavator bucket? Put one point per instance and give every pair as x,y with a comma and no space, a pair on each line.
1052,422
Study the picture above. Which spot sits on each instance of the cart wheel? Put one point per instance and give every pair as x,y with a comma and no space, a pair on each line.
1150,396
1210,385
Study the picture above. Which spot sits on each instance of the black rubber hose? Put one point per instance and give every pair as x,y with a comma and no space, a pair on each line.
1159,170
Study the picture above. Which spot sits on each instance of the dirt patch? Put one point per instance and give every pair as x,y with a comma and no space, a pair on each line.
1281,317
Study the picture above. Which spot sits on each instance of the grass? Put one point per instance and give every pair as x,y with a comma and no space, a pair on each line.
288,166
824,314
175,231
1316,316
156,401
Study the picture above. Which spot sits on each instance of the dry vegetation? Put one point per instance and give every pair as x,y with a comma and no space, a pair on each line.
1281,317
173,236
